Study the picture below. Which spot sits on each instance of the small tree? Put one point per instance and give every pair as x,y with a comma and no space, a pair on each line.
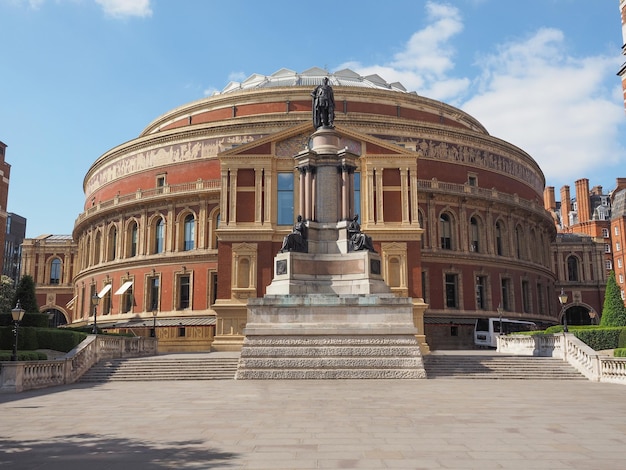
7,294
613,311
25,293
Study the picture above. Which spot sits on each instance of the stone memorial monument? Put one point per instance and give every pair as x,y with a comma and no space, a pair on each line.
328,312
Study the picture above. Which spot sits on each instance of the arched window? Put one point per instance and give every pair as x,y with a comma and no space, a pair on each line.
55,271
572,268
499,239
96,248
112,244
190,232
474,235
159,236
132,239
519,242
445,232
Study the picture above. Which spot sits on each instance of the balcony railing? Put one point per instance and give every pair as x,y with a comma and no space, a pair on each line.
19,376
588,362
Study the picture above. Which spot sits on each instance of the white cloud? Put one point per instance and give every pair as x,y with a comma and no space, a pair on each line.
554,106
427,58
126,8
529,92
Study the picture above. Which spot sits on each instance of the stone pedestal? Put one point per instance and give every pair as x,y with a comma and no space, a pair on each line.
328,312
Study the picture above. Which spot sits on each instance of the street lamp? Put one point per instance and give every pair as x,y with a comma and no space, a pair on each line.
94,301
154,315
17,313
500,310
563,300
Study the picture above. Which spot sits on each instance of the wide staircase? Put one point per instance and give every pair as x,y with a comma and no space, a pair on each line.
486,365
210,366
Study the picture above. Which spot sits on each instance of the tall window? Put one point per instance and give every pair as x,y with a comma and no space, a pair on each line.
474,235
112,244
190,232
525,297
572,268
445,232
519,242
159,236
55,271
127,300
132,233
451,291
540,299
184,291
285,198
106,302
153,293
506,294
499,250
357,193
481,300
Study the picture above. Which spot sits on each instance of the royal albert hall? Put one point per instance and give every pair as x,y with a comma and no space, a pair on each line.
181,224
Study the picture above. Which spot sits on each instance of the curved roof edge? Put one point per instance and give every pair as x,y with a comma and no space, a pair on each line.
311,77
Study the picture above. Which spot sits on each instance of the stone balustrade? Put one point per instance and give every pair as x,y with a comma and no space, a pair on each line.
588,362
19,376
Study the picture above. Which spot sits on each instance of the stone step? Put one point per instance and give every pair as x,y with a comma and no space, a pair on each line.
329,373
330,351
499,367
146,369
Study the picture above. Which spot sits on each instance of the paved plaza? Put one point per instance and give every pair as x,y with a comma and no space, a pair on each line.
376,424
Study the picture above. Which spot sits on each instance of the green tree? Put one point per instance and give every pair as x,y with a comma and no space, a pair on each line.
25,293
613,311
7,294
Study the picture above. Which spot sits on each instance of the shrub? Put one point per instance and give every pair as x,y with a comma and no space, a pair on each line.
621,343
620,352
598,338
613,311
24,356
41,338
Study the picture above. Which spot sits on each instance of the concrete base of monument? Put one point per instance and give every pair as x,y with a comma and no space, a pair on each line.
330,337
357,272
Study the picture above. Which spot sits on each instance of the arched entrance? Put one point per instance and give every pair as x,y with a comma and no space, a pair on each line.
580,314
55,317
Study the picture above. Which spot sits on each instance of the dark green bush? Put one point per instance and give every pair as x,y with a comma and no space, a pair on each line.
58,340
596,337
621,343
30,319
41,338
23,356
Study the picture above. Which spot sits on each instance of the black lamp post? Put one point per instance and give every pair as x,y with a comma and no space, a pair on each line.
17,313
500,310
154,315
94,301
563,300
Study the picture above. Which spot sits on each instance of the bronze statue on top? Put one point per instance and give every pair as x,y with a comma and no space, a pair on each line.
358,240
323,105
296,240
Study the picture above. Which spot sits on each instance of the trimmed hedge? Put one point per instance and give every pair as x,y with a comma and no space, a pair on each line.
621,343
24,356
620,352
596,337
40,320
41,338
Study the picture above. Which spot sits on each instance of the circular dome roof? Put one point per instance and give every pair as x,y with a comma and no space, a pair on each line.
312,77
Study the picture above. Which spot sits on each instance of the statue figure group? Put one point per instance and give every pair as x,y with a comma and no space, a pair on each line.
359,240
296,240
323,105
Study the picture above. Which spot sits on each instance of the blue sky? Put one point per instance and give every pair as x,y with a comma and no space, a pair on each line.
80,77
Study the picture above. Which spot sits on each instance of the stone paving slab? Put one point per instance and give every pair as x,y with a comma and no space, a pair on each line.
317,424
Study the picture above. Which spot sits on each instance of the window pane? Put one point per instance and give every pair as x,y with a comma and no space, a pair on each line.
285,198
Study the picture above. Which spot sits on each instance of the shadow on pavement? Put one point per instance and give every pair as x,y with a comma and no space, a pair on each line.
101,452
